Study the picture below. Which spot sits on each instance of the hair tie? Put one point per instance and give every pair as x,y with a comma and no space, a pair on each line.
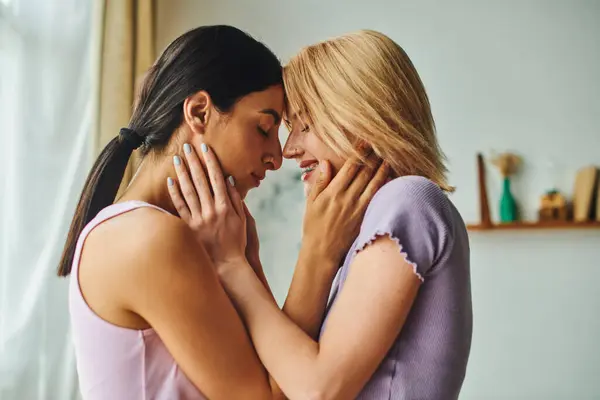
131,137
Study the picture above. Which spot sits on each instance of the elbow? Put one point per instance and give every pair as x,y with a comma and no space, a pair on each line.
317,392
317,386
315,395
304,393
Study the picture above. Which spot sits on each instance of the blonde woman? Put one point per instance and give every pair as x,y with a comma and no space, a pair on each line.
398,323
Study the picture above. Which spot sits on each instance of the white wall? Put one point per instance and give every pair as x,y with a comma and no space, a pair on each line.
505,75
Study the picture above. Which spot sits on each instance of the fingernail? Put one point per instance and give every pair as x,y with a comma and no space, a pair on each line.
177,160
322,166
231,181
170,181
204,148
187,148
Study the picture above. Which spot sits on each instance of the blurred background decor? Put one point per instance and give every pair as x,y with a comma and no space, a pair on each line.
507,164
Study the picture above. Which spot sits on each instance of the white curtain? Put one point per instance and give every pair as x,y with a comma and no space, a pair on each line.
46,116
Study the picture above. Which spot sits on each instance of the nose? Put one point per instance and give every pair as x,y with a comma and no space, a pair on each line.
274,161
291,149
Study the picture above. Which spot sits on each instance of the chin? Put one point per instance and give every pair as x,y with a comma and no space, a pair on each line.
307,187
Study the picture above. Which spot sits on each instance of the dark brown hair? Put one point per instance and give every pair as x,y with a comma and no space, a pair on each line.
221,60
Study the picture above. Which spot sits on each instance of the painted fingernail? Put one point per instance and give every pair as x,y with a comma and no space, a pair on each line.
170,181
231,181
177,160
204,148
187,148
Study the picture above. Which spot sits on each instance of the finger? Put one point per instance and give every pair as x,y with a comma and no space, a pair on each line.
361,180
215,175
322,181
236,199
364,149
177,200
198,177
187,187
344,177
381,178
363,177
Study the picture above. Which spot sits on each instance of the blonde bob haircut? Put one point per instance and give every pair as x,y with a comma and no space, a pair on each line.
361,90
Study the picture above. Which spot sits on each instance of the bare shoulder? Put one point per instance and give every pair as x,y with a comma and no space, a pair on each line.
133,254
136,237
140,237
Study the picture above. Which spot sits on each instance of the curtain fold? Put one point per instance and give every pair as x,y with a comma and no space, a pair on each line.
127,51
46,118
68,71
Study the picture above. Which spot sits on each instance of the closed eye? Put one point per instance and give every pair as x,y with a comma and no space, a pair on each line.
263,132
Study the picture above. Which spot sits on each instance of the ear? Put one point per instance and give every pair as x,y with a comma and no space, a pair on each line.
196,111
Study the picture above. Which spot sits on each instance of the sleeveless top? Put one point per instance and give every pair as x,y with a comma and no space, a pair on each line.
115,362
429,357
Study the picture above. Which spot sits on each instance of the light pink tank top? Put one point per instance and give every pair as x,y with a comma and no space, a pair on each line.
119,363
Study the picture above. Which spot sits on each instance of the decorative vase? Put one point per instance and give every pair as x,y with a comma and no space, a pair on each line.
508,206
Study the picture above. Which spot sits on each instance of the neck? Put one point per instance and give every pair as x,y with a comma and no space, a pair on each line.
150,183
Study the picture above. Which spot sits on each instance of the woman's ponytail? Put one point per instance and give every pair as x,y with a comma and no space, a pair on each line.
100,189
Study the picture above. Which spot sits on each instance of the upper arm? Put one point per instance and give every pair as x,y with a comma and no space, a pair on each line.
367,316
397,250
177,292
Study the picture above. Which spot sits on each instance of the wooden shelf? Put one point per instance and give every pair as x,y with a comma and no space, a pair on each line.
486,223
532,225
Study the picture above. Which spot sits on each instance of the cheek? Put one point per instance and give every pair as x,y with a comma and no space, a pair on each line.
242,149
249,147
321,151
315,147
224,143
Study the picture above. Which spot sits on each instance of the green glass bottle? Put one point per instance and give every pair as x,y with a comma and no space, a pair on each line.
508,206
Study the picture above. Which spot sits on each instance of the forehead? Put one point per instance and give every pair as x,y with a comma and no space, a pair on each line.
293,116
270,98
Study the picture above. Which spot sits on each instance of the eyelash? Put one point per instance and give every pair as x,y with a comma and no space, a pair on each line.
303,130
263,132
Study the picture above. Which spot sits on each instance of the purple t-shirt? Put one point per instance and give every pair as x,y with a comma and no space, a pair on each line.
428,360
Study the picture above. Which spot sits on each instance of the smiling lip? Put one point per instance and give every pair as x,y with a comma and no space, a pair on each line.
306,163
307,172
306,175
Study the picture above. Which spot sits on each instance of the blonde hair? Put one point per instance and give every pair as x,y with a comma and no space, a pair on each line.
362,89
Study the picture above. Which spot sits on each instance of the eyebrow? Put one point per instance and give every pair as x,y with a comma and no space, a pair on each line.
272,113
